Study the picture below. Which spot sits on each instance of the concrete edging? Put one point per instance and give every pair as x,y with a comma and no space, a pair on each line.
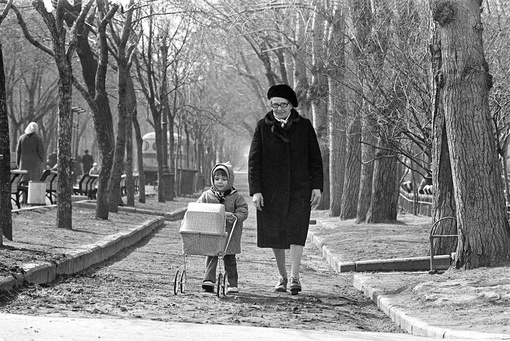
398,315
81,259
394,264
170,216
413,325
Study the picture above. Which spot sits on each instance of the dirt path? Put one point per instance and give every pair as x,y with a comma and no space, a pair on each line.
137,283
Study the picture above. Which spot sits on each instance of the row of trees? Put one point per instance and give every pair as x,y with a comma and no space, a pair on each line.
101,41
379,99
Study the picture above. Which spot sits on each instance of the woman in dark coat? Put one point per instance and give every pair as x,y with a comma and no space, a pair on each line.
30,155
286,181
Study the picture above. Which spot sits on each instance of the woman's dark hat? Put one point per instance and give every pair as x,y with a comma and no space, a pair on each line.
283,91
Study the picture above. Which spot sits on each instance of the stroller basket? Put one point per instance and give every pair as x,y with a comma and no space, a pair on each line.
203,229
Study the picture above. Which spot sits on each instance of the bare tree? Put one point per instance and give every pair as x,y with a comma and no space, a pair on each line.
444,202
125,47
62,52
484,232
94,65
5,156
337,108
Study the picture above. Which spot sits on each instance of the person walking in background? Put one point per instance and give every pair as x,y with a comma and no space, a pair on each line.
285,180
87,160
222,191
77,169
30,155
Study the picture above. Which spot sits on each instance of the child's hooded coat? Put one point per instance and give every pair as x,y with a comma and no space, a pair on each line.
233,202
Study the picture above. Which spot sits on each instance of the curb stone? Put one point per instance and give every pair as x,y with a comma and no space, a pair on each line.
169,216
394,264
398,315
85,256
411,324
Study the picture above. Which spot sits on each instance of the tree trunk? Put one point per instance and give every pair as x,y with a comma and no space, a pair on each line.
367,169
359,19
481,212
5,161
156,114
131,109
337,111
139,157
114,195
103,124
352,169
65,120
443,201
384,201
103,121
319,96
337,147
62,58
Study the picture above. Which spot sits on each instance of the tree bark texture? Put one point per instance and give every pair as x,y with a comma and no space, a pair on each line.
337,110
5,161
65,120
62,56
114,195
384,201
319,95
337,147
131,108
481,212
367,169
443,201
352,170
139,157
103,121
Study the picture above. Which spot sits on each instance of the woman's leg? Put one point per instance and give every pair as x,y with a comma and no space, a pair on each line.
296,252
279,255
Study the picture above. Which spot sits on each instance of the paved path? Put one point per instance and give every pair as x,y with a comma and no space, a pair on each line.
133,290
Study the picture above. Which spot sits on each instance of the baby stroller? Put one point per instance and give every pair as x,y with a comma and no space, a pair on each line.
203,232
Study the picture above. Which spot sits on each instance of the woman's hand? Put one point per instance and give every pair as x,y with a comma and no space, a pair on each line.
258,200
316,198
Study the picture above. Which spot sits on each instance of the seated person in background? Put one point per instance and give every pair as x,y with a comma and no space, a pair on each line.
427,181
95,170
407,186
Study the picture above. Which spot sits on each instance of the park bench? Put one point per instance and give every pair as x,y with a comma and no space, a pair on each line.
17,187
50,177
123,190
137,183
91,187
81,188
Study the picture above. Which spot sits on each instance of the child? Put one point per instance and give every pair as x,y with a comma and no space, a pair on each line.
222,191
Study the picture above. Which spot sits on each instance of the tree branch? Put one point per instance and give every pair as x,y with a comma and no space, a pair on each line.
27,34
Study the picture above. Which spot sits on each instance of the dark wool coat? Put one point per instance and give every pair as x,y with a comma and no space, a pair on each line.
30,156
284,165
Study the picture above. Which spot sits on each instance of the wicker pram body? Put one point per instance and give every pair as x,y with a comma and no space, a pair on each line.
203,229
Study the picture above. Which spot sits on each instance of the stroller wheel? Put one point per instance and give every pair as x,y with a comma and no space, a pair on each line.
219,284
182,281
224,285
176,277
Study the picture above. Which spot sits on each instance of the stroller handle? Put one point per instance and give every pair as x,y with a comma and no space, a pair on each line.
230,235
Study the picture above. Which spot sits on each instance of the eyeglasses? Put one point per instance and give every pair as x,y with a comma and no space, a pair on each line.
281,105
